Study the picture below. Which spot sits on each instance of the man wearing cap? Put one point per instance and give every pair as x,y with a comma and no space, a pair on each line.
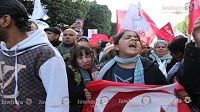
53,34
32,73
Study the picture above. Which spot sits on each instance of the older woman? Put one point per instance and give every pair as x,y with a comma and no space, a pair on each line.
161,55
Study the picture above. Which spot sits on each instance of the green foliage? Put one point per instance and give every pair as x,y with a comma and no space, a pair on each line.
63,13
54,11
113,29
98,17
66,11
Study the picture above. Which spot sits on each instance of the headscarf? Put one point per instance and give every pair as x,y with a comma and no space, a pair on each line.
159,42
162,61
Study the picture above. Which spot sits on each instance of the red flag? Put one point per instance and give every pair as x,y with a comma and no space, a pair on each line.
194,14
110,96
120,15
149,35
98,37
137,20
166,33
168,29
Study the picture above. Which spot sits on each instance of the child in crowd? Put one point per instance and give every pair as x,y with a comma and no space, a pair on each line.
128,66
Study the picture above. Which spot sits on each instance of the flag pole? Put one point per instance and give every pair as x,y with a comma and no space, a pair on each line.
189,38
191,22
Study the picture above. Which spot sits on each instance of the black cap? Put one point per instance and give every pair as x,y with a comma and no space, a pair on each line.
14,8
53,29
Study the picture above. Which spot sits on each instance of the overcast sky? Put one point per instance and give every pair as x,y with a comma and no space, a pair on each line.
160,11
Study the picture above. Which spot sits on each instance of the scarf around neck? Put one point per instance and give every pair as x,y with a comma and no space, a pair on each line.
162,61
80,74
85,75
154,57
138,73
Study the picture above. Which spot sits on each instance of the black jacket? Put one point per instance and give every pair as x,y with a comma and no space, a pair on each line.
76,92
190,73
152,74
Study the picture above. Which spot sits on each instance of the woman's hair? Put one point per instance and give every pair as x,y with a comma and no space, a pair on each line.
178,44
78,51
117,37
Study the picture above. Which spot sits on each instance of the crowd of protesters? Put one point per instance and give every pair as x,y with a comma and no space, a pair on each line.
38,66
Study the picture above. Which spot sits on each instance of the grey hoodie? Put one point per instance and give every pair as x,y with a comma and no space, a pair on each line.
33,76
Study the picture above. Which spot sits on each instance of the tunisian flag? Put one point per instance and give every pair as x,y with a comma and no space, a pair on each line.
120,16
194,13
110,96
135,19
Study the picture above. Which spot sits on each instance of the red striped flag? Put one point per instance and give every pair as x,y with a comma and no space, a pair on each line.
120,16
110,96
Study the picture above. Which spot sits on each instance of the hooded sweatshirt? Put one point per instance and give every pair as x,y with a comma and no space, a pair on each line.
33,77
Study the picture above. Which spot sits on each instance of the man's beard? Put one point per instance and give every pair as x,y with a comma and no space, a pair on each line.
3,35
68,44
